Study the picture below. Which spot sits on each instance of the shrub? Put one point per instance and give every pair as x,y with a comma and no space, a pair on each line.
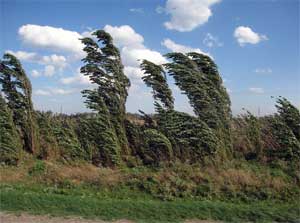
37,169
157,147
191,138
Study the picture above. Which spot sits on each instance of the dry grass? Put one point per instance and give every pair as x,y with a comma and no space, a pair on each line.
178,180
56,173
12,174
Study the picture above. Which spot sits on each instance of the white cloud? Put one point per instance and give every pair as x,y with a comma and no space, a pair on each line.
61,91
22,55
133,56
137,10
245,35
52,38
135,74
263,70
256,90
211,41
49,70
78,79
186,15
125,36
175,47
52,62
53,91
41,92
35,73
55,60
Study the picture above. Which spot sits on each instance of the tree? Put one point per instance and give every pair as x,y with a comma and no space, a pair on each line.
104,68
10,142
155,78
285,145
290,115
197,76
190,137
17,90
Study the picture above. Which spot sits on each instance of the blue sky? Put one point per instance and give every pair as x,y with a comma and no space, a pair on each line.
254,43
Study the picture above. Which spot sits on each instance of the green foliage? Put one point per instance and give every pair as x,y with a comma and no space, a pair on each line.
155,77
10,143
135,138
49,148
191,138
157,147
37,169
71,203
197,76
17,90
290,115
104,68
68,143
58,138
247,136
97,137
285,145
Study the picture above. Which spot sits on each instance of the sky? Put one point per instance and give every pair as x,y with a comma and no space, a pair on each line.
255,44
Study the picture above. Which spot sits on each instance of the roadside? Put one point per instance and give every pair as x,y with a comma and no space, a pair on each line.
26,218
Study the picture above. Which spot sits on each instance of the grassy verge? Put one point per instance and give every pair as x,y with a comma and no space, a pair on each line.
47,200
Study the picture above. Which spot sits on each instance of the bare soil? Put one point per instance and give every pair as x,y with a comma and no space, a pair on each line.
26,218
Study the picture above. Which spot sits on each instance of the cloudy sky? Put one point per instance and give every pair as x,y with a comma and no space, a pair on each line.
254,42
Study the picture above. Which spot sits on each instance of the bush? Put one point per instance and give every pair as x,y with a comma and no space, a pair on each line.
38,168
157,147
282,143
191,138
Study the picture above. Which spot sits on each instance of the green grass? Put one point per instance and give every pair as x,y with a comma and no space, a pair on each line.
113,205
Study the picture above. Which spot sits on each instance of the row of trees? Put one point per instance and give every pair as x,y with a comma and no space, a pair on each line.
108,137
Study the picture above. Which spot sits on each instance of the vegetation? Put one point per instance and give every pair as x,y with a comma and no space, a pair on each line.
141,210
167,166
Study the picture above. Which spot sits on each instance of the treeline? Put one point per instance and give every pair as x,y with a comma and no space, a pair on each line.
111,137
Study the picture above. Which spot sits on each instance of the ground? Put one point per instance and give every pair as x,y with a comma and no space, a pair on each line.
26,218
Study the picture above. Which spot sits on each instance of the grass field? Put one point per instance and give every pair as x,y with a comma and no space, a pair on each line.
70,202
247,193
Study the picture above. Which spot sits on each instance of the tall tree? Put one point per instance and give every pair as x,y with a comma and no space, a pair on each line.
104,68
190,137
155,78
197,76
10,143
17,90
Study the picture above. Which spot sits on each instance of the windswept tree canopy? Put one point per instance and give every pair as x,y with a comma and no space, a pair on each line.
10,143
104,68
289,114
17,90
155,78
197,76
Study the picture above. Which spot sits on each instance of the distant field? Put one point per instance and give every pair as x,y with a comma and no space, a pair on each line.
43,201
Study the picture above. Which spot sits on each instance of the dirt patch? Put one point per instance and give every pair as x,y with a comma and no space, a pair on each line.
26,218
